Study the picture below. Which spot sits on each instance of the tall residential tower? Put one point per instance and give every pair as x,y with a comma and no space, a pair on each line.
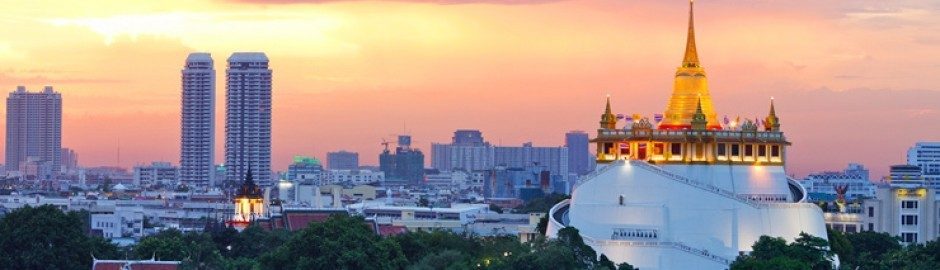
197,155
248,117
34,130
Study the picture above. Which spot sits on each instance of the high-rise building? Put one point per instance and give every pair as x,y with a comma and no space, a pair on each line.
342,160
467,151
579,158
926,155
405,165
34,129
468,137
69,160
197,154
554,159
248,117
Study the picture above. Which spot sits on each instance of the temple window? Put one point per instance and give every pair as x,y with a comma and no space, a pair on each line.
735,152
775,151
749,150
761,152
699,151
676,149
608,147
625,149
658,149
675,152
722,151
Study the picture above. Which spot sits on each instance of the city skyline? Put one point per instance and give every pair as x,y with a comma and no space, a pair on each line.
347,85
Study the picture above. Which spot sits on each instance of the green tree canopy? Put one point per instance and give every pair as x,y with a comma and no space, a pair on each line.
44,237
341,242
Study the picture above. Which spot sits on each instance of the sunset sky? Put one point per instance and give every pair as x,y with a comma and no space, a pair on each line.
853,80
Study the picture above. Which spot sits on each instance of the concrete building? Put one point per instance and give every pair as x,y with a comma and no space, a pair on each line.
554,159
197,144
909,213
467,151
926,155
405,165
906,176
157,173
822,185
34,129
248,117
468,137
305,170
342,160
354,177
69,161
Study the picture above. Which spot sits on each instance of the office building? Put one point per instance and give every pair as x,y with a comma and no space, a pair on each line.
34,129
69,160
342,160
554,159
157,174
822,186
468,137
197,147
304,170
248,117
926,155
579,156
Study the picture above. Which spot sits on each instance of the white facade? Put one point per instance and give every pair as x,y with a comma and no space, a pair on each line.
448,157
248,117
356,177
162,173
912,214
34,129
684,216
197,154
118,222
555,159
855,177
926,155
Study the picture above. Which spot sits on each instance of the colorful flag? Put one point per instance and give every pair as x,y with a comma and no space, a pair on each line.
658,117
619,116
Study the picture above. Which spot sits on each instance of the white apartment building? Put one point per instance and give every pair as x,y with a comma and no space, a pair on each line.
34,129
248,117
162,173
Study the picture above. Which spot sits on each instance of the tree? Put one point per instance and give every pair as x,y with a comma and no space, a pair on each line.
626,266
496,208
806,252
341,242
869,249
842,247
605,263
543,204
194,250
44,237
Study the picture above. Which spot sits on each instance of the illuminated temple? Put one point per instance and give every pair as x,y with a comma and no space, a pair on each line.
685,190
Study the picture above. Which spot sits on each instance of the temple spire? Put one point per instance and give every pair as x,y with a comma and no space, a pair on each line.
699,120
772,122
608,119
691,54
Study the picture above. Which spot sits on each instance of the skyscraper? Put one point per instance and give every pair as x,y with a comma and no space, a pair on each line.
34,129
248,117
197,155
467,151
579,159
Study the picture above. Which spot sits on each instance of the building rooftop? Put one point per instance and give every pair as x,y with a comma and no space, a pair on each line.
199,57
248,57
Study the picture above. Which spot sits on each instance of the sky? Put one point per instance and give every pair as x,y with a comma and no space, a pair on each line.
853,81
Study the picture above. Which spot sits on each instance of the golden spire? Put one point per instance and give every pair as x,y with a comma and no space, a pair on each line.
608,119
690,89
772,123
691,54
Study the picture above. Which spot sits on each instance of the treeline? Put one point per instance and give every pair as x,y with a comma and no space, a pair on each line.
47,238
863,250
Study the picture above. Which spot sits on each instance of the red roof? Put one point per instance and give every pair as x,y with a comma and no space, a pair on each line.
299,220
389,230
135,265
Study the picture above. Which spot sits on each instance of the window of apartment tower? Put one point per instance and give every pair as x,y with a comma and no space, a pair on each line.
871,226
871,211
908,220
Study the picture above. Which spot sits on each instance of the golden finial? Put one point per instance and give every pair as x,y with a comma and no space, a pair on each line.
691,54
608,119
772,122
